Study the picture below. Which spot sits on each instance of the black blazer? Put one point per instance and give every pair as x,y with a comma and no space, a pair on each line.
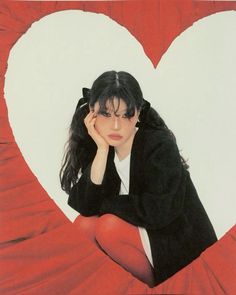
162,199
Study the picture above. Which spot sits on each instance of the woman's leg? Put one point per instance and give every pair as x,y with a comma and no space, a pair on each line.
86,226
121,241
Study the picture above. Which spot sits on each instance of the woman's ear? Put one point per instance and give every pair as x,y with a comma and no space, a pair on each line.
138,115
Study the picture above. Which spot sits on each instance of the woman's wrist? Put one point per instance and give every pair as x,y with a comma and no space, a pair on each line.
103,150
99,166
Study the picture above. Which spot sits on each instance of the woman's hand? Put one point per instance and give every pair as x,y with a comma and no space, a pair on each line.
89,122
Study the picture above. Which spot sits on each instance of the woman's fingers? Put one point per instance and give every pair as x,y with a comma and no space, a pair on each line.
89,122
89,119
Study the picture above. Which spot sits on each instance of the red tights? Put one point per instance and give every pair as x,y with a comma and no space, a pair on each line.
121,241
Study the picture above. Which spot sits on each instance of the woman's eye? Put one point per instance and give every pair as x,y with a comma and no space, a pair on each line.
126,116
105,114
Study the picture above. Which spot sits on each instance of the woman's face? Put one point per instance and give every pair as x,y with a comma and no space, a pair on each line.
115,127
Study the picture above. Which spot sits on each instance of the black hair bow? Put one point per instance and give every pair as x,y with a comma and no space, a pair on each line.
85,99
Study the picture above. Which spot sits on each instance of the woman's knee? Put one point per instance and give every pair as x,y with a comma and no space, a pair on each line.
108,229
86,225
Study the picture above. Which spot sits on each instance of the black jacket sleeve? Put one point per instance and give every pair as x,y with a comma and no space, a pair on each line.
163,189
86,197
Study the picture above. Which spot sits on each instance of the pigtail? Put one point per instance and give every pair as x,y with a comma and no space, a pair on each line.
79,149
150,118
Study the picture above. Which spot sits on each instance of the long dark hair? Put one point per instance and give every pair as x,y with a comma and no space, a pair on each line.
81,148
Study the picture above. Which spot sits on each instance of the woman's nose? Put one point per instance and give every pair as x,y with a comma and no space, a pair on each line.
116,123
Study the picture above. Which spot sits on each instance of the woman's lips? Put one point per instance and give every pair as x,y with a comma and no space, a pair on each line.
115,136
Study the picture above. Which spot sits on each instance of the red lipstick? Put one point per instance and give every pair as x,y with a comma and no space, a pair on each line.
115,136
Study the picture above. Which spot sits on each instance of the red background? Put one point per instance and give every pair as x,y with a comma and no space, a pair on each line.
40,251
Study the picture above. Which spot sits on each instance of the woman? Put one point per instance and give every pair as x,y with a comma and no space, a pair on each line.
125,176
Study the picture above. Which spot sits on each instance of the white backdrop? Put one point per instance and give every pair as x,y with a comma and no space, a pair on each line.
193,88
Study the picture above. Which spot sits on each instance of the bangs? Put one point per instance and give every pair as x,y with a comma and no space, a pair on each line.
120,94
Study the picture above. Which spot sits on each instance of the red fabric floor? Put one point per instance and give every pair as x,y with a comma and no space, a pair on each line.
41,252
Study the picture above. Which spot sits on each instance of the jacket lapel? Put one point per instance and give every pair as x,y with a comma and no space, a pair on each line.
136,162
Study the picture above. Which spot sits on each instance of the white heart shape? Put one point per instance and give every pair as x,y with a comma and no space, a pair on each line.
67,50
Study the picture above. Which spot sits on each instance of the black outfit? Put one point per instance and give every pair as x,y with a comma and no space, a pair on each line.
162,199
